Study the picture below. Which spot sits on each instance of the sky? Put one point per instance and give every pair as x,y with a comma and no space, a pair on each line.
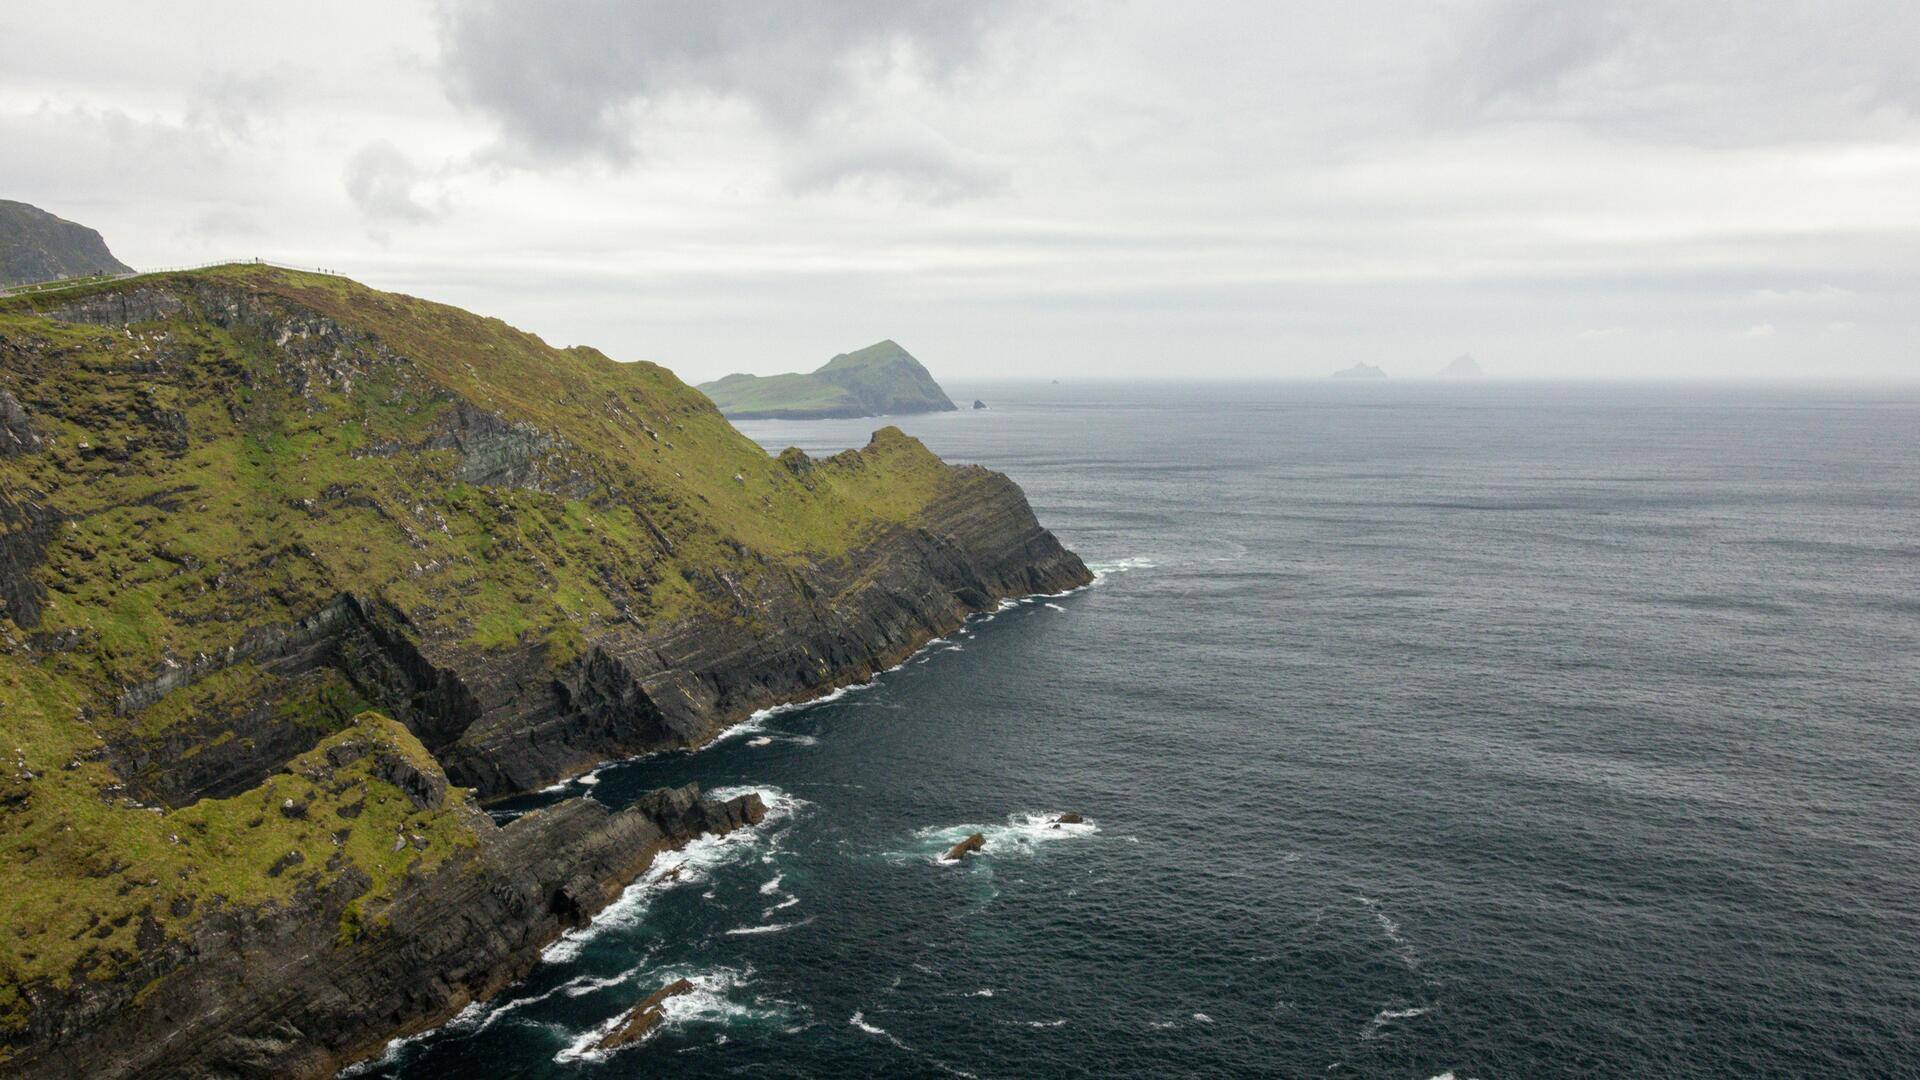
1609,188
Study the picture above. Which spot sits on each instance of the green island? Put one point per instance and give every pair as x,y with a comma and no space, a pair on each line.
882,379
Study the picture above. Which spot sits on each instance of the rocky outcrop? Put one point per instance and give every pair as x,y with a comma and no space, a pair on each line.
316,999
219,752
965,848
646,1016
818,627
26,527
120,307
16,430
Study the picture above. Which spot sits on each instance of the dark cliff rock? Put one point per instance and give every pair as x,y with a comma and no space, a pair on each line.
818,627
965,848
316,998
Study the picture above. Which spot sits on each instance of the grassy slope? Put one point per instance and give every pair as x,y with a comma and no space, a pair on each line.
274,506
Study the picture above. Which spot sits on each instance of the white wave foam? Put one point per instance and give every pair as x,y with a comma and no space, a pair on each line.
1387,1016
982,992
1202,1018
1104,570
1055,607
688,865
1046,1023
772,885
859,1020
1020,835
766,928
707,1002
781,906
755,723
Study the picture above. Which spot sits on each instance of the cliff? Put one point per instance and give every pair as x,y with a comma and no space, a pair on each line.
36,246
882,379
249,515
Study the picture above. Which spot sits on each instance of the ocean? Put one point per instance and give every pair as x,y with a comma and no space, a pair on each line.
1489,729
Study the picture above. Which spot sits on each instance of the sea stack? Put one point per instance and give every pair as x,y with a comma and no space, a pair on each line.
1463,366
645,1016
966,847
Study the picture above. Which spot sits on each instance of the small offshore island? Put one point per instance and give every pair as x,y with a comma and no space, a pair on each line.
295,575
1360,371
882,379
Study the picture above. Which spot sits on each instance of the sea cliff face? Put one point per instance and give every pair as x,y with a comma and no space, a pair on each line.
295,574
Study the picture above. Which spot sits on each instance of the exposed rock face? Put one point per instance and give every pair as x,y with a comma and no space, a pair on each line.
456,935
37,246
965,848
645,1016
16,431
824,626
978,404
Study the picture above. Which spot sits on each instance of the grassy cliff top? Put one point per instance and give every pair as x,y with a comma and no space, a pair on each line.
190,460
879,379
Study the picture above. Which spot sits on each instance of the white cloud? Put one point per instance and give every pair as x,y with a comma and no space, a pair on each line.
385,184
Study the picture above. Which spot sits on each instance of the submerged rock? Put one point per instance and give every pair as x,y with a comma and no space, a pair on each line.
645,1016
965,848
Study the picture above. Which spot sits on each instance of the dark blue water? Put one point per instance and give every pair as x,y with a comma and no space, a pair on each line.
1502,730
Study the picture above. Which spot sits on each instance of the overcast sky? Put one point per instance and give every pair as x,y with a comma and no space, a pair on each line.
1058,190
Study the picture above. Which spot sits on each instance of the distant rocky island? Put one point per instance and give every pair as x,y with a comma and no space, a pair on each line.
1463,366
1360,371
36,246
882,379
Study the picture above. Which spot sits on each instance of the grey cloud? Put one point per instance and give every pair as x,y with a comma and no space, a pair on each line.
1741,74
567,80
382,182
915,172
1526,49
232,105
